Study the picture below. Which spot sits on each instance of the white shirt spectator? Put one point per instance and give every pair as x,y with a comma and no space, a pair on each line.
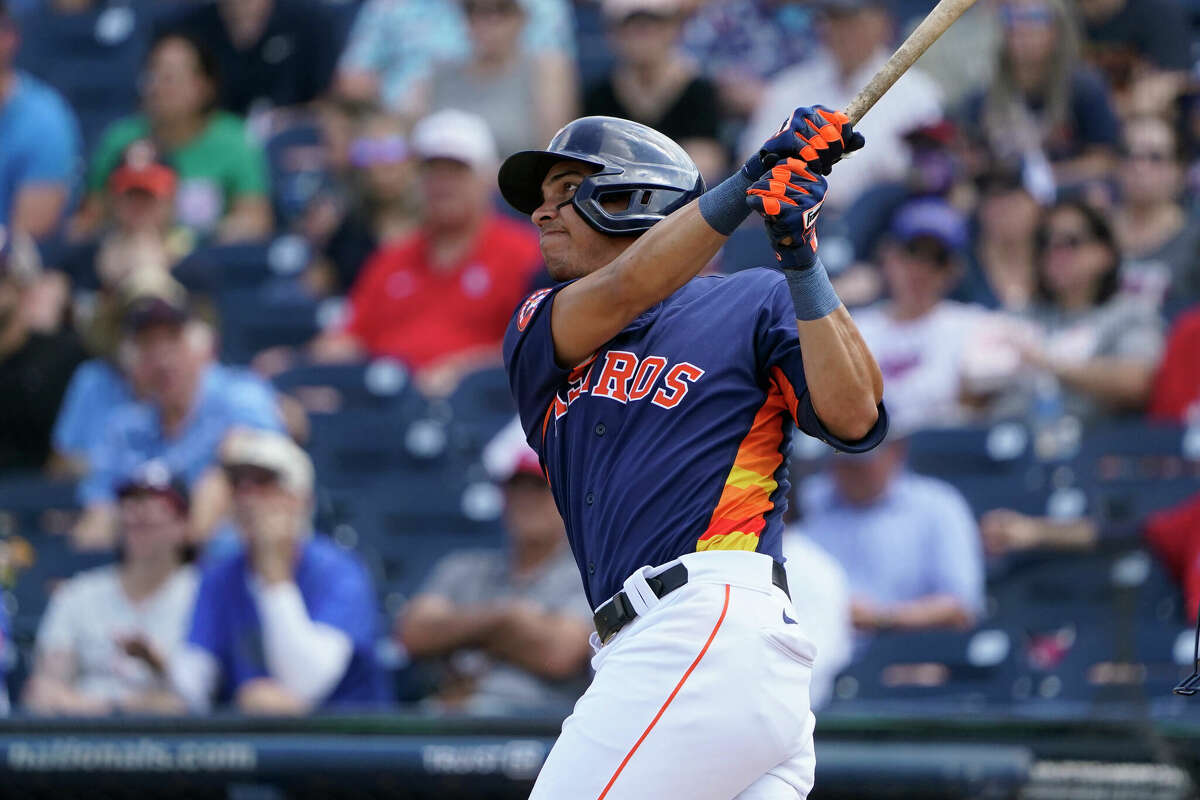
921,360
90,614
914,101
821,596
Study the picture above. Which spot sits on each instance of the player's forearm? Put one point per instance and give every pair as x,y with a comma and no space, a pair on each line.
844,381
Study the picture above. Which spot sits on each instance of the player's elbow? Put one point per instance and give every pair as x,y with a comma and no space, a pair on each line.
852,421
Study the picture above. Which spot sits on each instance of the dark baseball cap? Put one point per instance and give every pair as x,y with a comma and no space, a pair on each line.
156,478
149,310
934,219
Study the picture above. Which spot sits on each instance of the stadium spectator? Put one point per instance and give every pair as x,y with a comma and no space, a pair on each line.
438,300
654,83
1042,103
394,44
35,367
189,405
269,53
306,604
1000,272
377,207
142,234
8,657
908,543
109,633
91,51
1158,237
39,144
918,336
740,44
820,593
222,191
1084,350
1143,48
1175,394
114,377
523,102
855,39
511,627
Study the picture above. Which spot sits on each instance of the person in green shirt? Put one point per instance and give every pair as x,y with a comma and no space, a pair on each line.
222,192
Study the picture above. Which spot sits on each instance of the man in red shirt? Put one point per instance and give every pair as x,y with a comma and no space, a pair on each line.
440,299
1175,396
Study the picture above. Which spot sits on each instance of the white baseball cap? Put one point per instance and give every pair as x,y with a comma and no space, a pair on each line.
273,451
456,135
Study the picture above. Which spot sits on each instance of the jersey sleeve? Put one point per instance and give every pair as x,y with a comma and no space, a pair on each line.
777,344
533,373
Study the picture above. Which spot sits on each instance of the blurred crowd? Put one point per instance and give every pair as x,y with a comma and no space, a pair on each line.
1018,241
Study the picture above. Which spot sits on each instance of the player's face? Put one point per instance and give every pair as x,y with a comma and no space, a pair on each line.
570,247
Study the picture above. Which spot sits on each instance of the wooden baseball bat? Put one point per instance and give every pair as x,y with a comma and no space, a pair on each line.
934,25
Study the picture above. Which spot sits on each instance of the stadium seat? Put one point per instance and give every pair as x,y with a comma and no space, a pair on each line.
1001,449
976,668
381,384
482,405
249,265
253,320
297,160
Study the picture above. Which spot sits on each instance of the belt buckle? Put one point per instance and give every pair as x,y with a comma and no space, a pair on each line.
625,615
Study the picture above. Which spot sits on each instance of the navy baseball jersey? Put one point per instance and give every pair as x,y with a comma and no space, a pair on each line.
673,437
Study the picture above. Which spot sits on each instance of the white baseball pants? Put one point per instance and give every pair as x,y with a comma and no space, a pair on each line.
704,696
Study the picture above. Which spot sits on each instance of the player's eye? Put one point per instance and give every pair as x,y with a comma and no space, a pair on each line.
569,187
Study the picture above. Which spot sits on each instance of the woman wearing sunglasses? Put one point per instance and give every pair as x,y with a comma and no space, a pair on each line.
1083,347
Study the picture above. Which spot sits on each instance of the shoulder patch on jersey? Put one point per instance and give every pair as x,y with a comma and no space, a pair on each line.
529,306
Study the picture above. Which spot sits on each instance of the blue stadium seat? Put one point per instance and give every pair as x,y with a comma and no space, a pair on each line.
253,320
54,560
370,445
243,266
1001,449
93,57
296,157
976,668
482,405
382,384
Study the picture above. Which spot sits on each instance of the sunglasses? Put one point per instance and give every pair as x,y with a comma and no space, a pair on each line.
240,475
371,152
1069,241
1152,156
501,9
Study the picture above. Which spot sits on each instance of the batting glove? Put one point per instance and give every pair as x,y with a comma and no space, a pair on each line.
789,198
816,135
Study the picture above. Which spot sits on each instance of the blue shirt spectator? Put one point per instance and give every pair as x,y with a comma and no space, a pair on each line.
289,623
909,543
394,43
91,55
39,152
97,389
226,397
336,591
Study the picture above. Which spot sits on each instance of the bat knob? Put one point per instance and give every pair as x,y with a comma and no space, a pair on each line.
768,160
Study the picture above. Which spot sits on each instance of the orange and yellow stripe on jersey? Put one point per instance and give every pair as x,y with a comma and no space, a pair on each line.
741,513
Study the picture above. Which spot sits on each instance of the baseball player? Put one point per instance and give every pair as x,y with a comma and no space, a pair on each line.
661,406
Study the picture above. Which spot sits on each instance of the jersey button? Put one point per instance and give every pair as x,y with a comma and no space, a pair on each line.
600,429
589,498
591,568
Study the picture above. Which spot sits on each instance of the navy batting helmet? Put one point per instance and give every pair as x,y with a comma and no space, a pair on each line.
632,159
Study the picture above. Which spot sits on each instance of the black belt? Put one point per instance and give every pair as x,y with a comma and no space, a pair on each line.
617,611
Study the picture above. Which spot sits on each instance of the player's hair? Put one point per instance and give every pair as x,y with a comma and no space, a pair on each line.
1110,282
206,61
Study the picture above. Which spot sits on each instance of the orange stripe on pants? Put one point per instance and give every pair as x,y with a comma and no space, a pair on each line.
671,697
